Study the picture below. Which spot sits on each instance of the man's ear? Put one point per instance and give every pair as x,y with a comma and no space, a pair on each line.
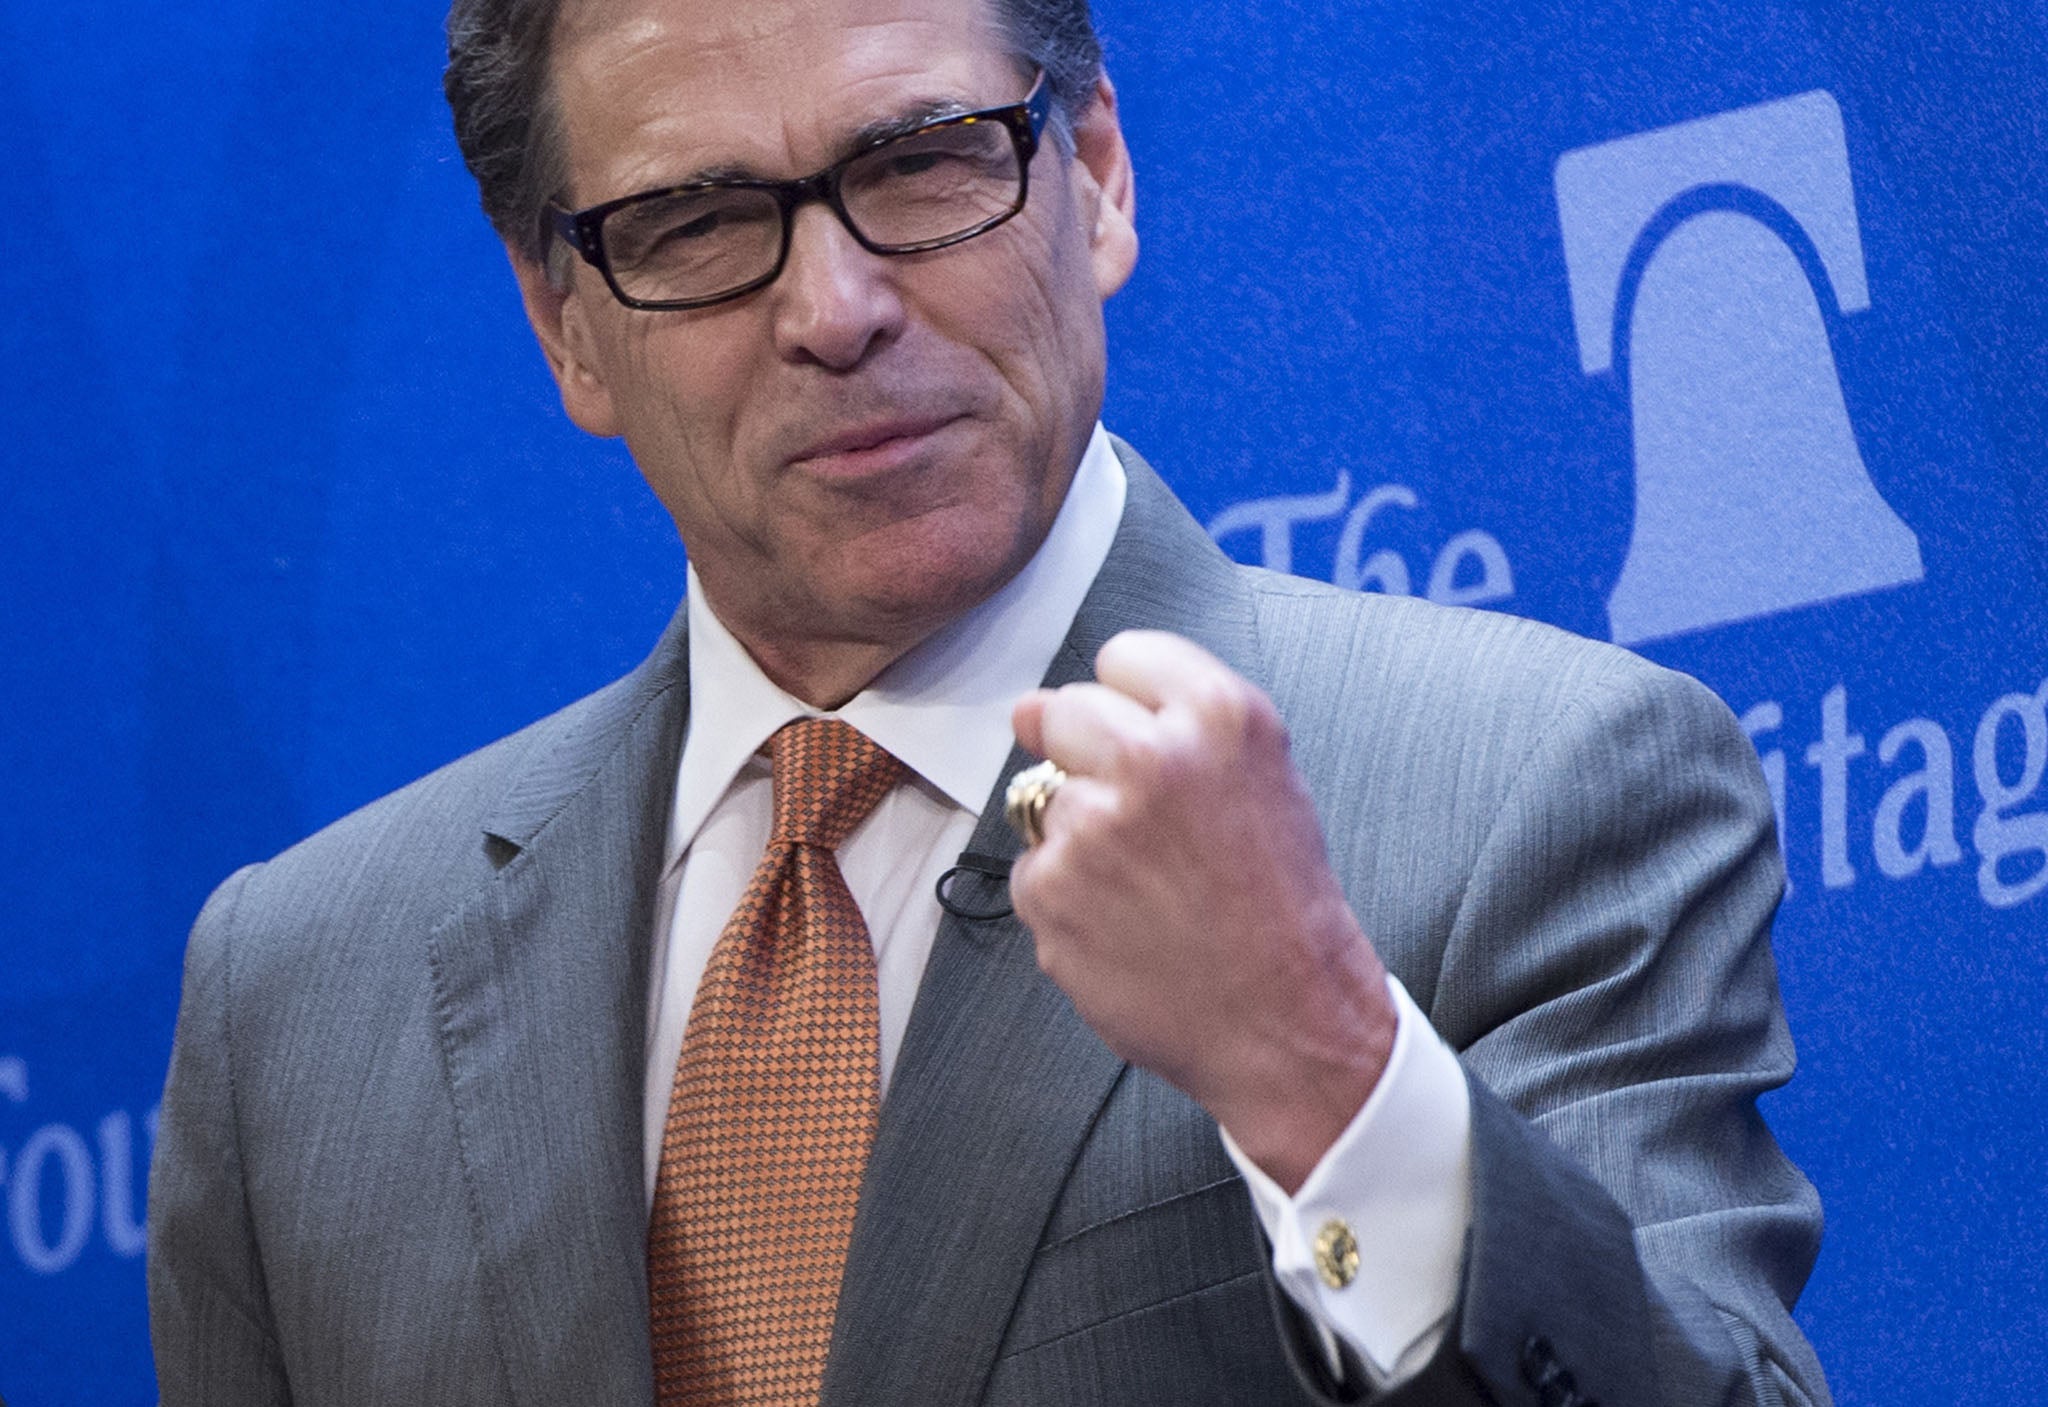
559,321
1108,188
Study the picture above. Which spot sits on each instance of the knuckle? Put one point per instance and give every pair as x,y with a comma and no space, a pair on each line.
1224,701
1078,824
1059,708
1232,713
1263,723
1139,756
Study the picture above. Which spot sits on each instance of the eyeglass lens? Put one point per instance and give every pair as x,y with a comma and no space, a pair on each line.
924,188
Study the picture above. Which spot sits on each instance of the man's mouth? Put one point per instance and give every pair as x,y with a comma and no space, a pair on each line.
873,447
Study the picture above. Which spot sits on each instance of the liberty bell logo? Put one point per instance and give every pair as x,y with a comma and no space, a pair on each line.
1699,256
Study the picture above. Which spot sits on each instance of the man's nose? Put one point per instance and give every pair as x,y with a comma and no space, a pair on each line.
835,301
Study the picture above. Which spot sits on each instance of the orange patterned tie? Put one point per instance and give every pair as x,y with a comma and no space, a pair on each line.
774,1105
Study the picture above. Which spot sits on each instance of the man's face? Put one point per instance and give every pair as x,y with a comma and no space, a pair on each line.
871,444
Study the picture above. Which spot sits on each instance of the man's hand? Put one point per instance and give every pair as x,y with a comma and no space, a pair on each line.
1183,899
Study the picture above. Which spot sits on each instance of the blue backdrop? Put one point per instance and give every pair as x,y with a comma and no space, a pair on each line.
1719,328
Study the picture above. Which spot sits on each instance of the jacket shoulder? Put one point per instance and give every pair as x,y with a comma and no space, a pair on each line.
1456,657
407,853
1367,680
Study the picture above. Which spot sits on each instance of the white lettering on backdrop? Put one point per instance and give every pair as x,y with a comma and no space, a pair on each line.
1913,826
56,1189
1470,569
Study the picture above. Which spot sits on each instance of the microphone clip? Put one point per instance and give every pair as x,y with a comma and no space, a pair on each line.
976,888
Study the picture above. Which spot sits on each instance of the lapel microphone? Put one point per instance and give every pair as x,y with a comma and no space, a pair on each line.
977,888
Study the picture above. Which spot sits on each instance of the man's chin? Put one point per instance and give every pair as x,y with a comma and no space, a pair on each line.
926,575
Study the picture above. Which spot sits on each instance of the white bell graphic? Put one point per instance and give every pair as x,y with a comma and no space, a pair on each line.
1752,496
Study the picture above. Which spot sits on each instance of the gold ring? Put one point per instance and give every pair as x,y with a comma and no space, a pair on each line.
1029,793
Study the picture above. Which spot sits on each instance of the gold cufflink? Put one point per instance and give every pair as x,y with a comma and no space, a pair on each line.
1336,1254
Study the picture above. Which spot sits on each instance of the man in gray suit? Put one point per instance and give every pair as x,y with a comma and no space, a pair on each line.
1385,1001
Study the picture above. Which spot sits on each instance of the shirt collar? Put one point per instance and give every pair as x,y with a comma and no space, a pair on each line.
944,708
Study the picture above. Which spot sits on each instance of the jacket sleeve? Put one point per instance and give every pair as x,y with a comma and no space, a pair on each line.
210,1323
1638,1237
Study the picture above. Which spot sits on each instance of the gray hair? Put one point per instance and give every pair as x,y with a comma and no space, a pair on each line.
511,135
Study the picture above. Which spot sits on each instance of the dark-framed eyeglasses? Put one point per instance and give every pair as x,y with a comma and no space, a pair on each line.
693,245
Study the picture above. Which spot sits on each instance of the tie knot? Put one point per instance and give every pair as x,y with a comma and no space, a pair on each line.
828,777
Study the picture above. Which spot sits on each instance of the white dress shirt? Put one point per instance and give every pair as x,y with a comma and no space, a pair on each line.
1400,1174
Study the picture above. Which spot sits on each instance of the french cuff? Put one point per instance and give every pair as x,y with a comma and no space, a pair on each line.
1370,1247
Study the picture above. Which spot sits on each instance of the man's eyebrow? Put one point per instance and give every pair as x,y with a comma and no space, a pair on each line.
908,120
897,124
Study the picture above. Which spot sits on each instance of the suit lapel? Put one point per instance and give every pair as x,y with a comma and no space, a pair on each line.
999,1080
541,983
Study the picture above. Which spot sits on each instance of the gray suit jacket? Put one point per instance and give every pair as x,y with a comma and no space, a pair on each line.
399,1158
